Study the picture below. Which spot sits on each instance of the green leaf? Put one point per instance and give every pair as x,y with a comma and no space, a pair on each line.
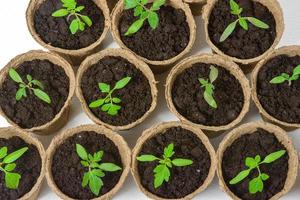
161,176
241,176
37,83
85,163
105,107
234,6
98,172
29,77
97,103
214,73
21,93
10,167
90,158
147,158
203,82
278,80
294,77
256,185
257,159
12,180
42,95
12,157
274,156
116,100
153,20
135,27
285,75
81,152
250,162
122,83
264,176
243,23
113,110
85,179
79,8
157,4
109,167
210,100
60,13
169,151
87,20
181,162
81,25
129,4
105,88
15,76
227,32
296,70
74,26
138,11
3,152
95,184
258,23
98,156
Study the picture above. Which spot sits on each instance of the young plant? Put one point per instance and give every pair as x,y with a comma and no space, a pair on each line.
285,77
161,171
33,85
7,165
243,21
144,13
70,9
96,170
209,87
256,184
110,104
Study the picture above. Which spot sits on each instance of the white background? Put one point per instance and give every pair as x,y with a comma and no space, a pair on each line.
15,39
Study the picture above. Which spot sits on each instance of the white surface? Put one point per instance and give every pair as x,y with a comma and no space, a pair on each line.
15,39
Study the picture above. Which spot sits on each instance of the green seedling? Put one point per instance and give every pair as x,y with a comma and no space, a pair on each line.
110,104
285,77
33,85
144,13
8,165
69,9
161,171
243,21
96,170
209,87
256,184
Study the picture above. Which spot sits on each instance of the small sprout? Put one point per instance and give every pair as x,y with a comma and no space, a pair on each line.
92,178
70,9
7,165
144,13
256,184
161,171
209,87
243,21
285,77
33,85
110,104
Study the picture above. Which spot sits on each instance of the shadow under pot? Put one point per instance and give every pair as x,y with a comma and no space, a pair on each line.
196,6
87,162
22,165
276,85
243,31
161,38
116,89
173,161
36,89
209,92
73,30
257,161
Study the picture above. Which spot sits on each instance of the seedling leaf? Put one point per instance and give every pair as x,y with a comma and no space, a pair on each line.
81,152
12,157
296,71
135,27
181,162
243,23
147,158
214,73
153,20
12,180
256,185
258,23
241,176
3,152
274,156
42,95
109,167
286,77
15,76
60,13
227,32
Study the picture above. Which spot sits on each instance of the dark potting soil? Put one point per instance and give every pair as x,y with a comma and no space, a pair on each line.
136,96
30,111
259,143
28,166
168,40
183,180
242,44
55,30
67,171
280,100
187,96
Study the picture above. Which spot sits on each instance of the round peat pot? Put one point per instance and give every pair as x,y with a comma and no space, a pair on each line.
252,143
183,181
66,169
54,33
124,107
186,94
245,46
170,41
278,102
196,6
36,89
30,166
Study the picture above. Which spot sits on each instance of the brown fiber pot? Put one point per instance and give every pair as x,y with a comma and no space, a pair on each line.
160,128
123,148
62,117
275,9
280,134
11,132
234,69
76,56
143,67
156,66
287,50
196,6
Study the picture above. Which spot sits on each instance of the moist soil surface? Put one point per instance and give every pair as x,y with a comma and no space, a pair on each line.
242,44
67,171
55,30
136,95
168,40
259,143
30,111
187,96
183,180
28,166
280,100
